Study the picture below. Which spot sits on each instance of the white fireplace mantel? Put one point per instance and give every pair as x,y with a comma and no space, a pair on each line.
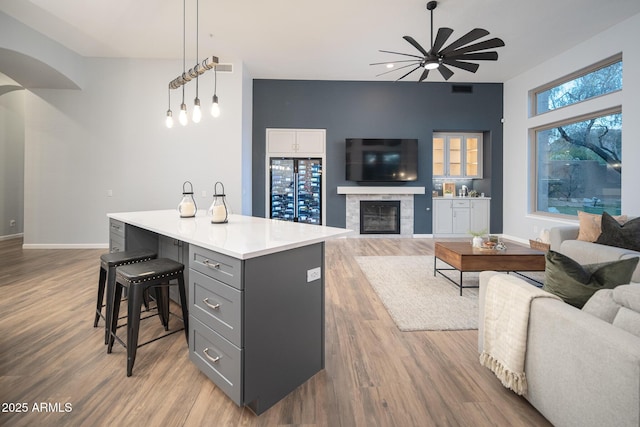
405,195
380,190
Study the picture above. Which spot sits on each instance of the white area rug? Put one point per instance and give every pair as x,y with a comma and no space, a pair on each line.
418,301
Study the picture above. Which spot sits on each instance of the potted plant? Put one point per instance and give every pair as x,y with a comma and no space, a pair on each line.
477,240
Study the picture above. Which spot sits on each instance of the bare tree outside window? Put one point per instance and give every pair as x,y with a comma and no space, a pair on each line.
579,162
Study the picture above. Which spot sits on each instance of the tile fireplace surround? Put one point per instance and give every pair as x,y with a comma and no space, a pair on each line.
402,194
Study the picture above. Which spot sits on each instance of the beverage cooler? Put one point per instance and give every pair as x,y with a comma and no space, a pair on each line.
296,188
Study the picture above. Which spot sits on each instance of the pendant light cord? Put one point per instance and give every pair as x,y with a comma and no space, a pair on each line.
197,47
184,43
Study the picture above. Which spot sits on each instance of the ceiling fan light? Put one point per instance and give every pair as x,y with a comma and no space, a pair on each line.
432,64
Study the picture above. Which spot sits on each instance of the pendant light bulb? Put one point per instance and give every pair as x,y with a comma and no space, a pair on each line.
182,118
169,120
215,107
197,113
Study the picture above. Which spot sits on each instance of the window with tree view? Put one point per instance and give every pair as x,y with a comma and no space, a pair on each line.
578,157
579,166
600,79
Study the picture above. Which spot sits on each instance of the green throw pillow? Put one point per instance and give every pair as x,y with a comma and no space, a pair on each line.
575,283
625,235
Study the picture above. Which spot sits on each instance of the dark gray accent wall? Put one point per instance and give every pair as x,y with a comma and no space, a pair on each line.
349,109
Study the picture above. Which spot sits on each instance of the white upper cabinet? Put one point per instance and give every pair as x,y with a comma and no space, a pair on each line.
457,155
296,141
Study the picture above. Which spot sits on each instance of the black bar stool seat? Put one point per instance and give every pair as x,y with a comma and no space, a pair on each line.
138,278
108,264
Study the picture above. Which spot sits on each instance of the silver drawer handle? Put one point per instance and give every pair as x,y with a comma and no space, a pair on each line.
117,227
212,359
210,265
211,306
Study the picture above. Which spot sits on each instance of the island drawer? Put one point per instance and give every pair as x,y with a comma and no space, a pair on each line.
217,358
116,228
217,305
219,266
116,243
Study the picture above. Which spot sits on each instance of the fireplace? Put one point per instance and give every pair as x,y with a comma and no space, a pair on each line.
379,217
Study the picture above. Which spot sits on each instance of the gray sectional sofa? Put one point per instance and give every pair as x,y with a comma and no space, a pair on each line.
564,240
582,366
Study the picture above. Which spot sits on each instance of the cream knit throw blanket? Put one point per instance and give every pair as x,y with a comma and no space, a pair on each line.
506,319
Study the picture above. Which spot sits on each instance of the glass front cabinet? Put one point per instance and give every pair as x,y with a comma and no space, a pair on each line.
457,155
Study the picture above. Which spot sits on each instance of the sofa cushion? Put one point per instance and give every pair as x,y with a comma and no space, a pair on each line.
602,305
575,283
591,225
628,296
625,235
628,320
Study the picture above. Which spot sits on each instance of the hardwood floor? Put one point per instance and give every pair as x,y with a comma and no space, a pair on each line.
375,375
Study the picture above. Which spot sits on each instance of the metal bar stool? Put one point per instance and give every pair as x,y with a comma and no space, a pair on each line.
138,278
108,264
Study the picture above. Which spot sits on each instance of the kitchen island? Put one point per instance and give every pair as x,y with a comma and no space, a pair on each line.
256,296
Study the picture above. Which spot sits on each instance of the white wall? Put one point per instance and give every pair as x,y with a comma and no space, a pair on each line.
518,222
79,144
11,157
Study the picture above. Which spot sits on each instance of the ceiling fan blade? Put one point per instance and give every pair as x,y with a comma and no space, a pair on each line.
445,71
415,44
471,36
487,44
478,56
424,75
468,66
418,66
396,69
443,35
399,53
394,62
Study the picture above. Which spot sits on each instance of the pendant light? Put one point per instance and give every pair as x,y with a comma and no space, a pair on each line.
197,114
169,120
194,73
215,107
183,118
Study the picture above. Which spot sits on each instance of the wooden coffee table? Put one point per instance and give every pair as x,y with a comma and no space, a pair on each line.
465,258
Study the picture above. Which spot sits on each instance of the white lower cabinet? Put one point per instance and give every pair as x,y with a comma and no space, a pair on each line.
455,217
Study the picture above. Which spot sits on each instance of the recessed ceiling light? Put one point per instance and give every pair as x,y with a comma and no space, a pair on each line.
390,65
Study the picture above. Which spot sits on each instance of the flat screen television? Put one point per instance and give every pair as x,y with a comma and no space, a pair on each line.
381,160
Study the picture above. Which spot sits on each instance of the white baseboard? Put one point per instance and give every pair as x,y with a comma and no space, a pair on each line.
65,246
11,236
515,239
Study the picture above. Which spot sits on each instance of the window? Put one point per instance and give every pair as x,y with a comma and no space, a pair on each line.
579,165
599,79
577,158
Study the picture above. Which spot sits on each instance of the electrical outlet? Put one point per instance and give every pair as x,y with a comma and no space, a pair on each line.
204,193
314,274
109,193
12,223
535,229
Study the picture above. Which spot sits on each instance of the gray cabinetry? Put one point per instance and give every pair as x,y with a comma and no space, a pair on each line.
257,325
215,316
116,236
176,250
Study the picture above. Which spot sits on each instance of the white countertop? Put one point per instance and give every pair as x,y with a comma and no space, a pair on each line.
460,198
243,237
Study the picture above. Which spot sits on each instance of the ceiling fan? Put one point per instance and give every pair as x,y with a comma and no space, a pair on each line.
454,55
